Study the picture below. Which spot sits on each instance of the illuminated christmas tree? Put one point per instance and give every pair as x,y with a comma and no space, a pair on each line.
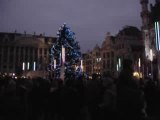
65,53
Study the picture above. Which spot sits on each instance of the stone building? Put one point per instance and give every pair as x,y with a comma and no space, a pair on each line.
96,60
23,53
108,59
151,37
87,62
92,61
129,45
108,55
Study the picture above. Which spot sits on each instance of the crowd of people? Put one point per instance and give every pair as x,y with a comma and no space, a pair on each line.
100,98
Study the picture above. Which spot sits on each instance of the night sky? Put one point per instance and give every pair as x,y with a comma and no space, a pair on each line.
89,19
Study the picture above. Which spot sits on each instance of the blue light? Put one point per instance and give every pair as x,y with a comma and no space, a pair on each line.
157,32
158,35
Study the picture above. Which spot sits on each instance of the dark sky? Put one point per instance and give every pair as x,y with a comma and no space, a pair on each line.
89,19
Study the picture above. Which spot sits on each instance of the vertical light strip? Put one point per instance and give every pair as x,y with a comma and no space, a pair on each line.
158,35
151,55
23,66
117,67
55,63
34,66
60,55
28,66
82,65
139,62
63,54
119,60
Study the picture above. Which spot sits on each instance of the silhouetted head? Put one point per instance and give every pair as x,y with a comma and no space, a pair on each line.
59,83
127,64
94,76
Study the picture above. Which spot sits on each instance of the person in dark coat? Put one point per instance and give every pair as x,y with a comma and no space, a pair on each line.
130,99
94,96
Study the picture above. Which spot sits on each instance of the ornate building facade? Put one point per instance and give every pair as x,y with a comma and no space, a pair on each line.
129,45
22,53
151,37
92,61
109,57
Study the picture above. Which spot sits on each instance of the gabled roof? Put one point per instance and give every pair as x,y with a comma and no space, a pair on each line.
130,31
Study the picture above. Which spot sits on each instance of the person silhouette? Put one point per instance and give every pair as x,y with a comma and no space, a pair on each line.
130,98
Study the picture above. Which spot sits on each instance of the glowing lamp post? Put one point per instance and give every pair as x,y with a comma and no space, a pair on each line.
117,68
151,59
63,61
119,64
34,66
139,66
63,55
157,31
23,66
28,65
55,64
82,65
